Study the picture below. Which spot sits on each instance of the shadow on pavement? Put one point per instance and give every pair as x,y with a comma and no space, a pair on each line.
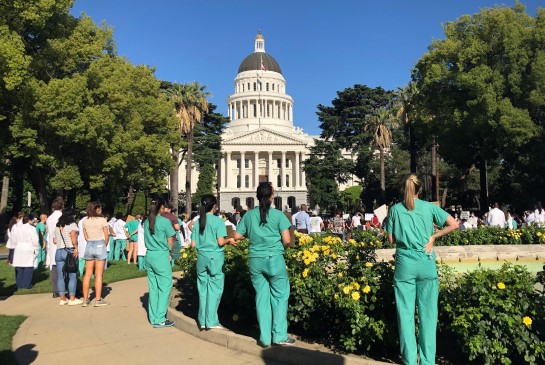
144,300
276,355
26,354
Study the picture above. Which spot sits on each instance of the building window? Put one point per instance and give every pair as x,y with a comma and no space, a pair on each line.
255,110
279,180
247,181
250,203
238,181
238,163
255,86
278,163
287,163
248,86
287,180
246,163
273,87
267,86
242,87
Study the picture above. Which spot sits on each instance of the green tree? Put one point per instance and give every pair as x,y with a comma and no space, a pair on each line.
190,105
206,183
482,89
325,169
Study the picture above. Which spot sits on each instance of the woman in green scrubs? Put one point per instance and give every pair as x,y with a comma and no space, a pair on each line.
208,237
268,231
410,226
158,238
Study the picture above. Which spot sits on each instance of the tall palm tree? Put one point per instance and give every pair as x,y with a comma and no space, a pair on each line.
190,105
406,112
380,124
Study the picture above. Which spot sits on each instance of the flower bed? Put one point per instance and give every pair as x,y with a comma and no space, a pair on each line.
343,298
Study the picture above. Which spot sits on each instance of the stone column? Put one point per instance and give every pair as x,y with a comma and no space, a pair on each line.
256,167
269,167
303,177
283,169
296,169
228,171
241,171
222,172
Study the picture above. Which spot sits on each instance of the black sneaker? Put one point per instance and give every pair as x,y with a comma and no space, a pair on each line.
286,342
167,323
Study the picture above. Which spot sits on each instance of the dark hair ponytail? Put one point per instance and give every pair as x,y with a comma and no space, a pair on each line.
264,193
207,203
154,210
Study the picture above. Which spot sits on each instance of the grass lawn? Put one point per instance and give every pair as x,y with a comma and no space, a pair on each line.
8,325
117,271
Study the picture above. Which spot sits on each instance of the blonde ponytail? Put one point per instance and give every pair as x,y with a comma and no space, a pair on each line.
412,187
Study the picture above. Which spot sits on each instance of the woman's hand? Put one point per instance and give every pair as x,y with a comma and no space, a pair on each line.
428,247
232,242
75,254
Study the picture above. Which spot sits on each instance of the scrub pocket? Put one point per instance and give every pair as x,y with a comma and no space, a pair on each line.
95,250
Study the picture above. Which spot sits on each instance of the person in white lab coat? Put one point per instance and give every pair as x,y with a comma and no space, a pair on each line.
26,244
50,224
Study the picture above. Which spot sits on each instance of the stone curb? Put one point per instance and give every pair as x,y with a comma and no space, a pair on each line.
301,353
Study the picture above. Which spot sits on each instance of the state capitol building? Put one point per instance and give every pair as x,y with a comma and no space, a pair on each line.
260,142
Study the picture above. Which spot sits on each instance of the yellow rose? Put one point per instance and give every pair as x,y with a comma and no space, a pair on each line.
346,289
356,286
368,264
336,296
527,321
340,275
307,262
184,256
334,255
305,273
367,289
355,296
501,285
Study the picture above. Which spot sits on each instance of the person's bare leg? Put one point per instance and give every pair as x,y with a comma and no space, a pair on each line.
89,267
135,253
129,252
99,270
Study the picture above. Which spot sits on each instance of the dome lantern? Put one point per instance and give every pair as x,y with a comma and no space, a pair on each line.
259,42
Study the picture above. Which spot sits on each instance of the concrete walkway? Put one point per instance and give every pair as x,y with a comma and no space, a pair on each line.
118,334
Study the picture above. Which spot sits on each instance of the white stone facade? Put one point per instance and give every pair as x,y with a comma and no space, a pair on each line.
260,142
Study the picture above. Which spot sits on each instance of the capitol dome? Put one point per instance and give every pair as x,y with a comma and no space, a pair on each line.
253,62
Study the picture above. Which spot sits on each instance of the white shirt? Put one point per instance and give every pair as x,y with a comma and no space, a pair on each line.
356,221
50,225
82,242
315,223
540,217
293,221
496,218
119,229
141,245
26,243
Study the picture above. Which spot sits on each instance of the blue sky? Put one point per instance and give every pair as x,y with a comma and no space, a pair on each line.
322,46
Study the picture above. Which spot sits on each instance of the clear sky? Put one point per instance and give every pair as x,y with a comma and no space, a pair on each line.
322,46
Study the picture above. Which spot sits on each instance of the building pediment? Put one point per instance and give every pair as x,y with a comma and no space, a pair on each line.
264,137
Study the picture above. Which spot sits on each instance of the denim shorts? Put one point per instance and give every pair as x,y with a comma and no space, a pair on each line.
95,250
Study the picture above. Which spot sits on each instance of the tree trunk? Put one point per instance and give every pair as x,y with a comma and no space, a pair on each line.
188,172
71,198
37,178
382,177
130,199
434,177
4,202
18,189
412,144
483,174
174,178
444,198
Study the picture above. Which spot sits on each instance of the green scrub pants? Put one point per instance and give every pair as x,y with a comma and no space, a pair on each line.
272,288
111,247
159,284
141,262
119,249
41,258
210,280
415,281
81,266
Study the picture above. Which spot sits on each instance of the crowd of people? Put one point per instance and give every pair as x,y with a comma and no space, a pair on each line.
154,240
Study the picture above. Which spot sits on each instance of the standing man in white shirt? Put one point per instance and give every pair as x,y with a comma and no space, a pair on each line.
120,242
496,217
50,224
316,223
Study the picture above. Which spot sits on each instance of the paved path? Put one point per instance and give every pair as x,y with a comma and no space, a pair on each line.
118,334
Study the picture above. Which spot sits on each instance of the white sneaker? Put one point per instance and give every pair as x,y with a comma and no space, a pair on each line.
75,302
63,302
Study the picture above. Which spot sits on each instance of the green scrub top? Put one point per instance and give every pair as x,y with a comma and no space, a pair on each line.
131,227
265,239
208,240
40,228
412,229
158,240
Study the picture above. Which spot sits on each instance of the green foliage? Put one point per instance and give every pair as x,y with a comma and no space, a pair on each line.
8,327
207,182
350,198
497,317
494,236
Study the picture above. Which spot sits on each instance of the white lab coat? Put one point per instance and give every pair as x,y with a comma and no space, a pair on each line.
141,245
26,241
50,225
82,242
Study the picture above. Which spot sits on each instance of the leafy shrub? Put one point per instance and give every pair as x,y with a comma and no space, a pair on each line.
497,316
494,236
